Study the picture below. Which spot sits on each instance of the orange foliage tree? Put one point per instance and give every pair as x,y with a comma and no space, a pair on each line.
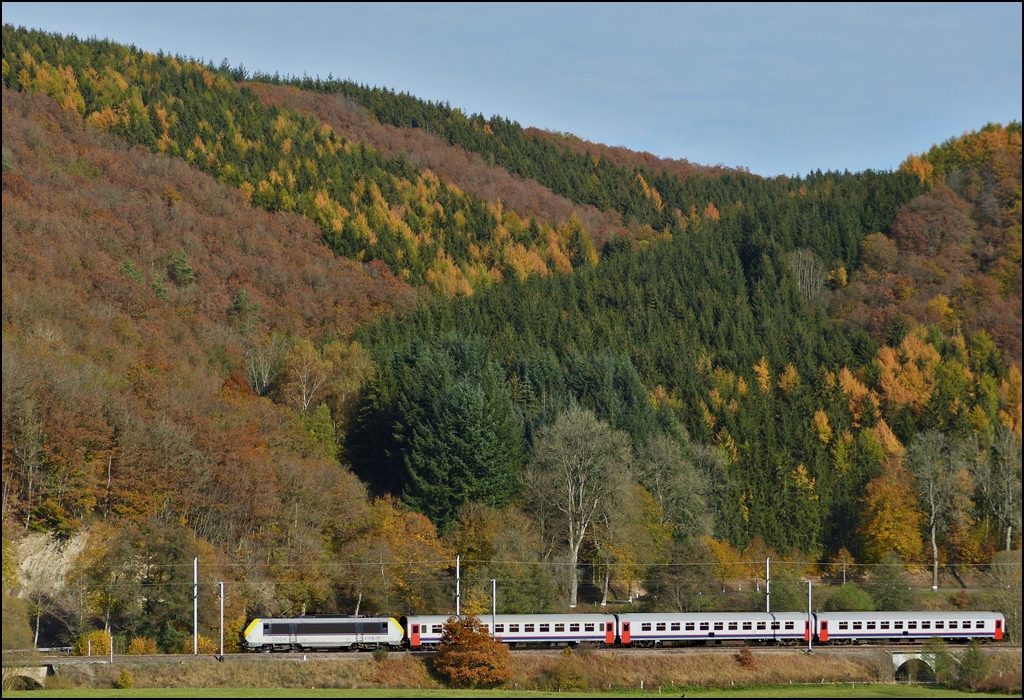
469,657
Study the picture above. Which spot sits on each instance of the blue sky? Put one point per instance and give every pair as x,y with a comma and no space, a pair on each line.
780,89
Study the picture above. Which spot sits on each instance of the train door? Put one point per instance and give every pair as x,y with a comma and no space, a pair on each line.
999,630
293,633
609,633
823,636
359,633
807,630
414,637
625,633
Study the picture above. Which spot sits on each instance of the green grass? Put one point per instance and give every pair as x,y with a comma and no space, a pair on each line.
844,690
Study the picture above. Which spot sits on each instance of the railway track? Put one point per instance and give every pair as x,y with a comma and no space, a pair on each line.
722,649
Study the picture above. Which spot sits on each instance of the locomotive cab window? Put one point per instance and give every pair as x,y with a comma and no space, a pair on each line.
645,626
589,627
266,628
545,628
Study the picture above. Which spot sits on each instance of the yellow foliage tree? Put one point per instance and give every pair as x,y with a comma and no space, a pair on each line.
891,520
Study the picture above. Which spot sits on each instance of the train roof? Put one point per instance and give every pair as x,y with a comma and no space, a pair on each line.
532,617
912,615
711,616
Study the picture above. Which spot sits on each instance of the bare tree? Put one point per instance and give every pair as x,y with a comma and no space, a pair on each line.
1004,581
574,462
678,486
999,481
940,465
263,361
307,372
809,271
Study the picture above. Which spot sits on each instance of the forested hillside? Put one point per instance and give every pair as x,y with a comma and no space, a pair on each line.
328,336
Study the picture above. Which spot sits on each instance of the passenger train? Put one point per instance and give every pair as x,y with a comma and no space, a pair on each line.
415,632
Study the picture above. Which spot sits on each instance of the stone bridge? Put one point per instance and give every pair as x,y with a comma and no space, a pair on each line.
28,677
909,665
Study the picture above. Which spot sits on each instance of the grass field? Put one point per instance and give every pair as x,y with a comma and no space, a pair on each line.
844,690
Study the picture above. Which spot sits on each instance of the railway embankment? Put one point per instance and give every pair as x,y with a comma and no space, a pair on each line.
579,670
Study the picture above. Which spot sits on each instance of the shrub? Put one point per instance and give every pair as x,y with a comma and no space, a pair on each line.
142,645
936,654
974,665
180,271
125,681
206,645
746,659
380,654
100,644
468,657
849,598
564,676
59,683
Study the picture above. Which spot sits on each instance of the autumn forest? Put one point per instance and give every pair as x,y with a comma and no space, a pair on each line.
327,337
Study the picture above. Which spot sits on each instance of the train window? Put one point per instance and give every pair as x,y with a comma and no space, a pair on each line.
645,627
415,629
952,624
967,624
775,624
939,624
675,626
979,625
436,629
689,627
574,627
266,628
789,625
660,627
545,628
485,627
747,626
760,625
279,628
898,625
589,627
734,625
856,625
527,628
704,627
871,625
883,625
559,627
499,628
718,626
513,628
926,625
844,625
912,625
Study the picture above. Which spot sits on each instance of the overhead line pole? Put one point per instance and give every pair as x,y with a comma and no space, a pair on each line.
195,606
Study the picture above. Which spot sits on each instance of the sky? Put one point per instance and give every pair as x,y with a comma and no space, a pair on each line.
778,89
